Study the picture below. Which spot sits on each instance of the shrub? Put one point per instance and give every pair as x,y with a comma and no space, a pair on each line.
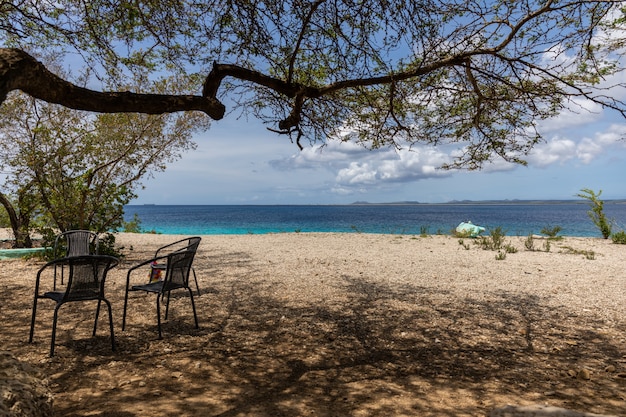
552,232
596,213
494,241
132,226
508,248
619,237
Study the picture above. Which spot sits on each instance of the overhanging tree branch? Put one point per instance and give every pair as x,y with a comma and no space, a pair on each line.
20,71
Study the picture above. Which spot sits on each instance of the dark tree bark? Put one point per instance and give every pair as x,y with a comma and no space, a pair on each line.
20,71
19,225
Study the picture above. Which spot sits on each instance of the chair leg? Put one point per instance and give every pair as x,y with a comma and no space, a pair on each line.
54,329
167,306
32,321
95,323
110,323
193,306
124,316
158,309
195,278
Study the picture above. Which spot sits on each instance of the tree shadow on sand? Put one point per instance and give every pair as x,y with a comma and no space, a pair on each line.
380,349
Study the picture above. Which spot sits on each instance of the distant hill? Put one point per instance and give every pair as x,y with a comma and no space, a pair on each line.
489,202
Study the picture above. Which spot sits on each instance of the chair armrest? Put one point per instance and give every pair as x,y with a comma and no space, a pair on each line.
53,263
169,245
144,263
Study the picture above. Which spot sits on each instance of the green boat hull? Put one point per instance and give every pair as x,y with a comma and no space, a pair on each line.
18,253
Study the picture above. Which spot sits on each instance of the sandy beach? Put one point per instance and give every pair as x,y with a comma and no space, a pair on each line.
353,324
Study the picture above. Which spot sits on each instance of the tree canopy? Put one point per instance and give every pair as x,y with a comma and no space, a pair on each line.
479,73
69,169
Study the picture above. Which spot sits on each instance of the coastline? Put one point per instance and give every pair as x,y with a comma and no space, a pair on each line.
347,324
401,219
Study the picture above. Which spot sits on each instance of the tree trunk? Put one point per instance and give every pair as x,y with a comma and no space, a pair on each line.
19,225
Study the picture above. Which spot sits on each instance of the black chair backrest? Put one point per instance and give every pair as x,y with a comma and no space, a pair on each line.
86,276
178,268
189,243
77,242
194,242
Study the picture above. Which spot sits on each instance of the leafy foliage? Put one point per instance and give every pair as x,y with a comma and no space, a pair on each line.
596,213
77,170
477,74
495,240
552,232
619,237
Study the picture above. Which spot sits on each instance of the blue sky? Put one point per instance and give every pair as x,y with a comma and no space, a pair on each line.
240,162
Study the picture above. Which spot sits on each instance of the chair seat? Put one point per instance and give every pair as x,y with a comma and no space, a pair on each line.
77,296
55,296
155,287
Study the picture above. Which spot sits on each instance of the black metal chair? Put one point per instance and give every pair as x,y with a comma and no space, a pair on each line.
86,278
73,243
190,243
178,266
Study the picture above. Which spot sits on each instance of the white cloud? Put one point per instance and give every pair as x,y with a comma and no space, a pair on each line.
559,150
580,112
358,169
556,150
587,150
614,135
357,173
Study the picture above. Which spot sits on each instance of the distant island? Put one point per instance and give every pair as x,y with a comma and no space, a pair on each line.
486,202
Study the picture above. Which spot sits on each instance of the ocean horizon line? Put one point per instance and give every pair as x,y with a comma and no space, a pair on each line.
399,203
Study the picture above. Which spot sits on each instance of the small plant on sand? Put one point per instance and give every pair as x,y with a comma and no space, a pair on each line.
423,231
494,241
546,246
552,232
596,213
501,256
508,248
588,254
619,237
529,243
465,245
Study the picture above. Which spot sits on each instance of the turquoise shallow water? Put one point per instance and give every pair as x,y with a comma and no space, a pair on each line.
514,219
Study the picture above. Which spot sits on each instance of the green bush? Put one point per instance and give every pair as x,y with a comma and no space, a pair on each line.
596,214
552,232
494,241
619,237
133,226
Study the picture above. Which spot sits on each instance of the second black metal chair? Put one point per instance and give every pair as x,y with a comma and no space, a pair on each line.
178,267
189,243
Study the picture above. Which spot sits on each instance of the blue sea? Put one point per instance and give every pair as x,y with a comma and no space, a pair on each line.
411,219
